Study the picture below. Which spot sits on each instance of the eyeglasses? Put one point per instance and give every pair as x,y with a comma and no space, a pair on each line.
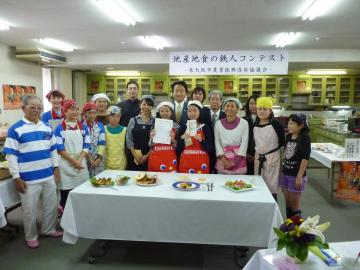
36,108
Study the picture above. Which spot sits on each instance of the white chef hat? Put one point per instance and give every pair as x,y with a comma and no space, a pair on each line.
100,95
165,103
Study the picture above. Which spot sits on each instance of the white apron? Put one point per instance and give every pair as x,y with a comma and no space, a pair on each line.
71,177
266,140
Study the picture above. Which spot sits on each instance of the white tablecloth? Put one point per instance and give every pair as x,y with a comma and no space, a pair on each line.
163,214
328,158
8,197
264,259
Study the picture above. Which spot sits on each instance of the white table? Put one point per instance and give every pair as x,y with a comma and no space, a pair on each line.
9,198
265,259
163,214
329,160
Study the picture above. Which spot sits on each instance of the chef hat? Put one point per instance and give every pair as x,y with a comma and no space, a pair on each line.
264,102
114,110
55,92
196,103
100,95
235,100
68,103
88,106
165,103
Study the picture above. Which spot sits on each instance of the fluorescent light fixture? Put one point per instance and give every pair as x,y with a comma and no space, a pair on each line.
284,39
326,72
115,10
341,107
154,41
56,44
123,73
316,8
4,26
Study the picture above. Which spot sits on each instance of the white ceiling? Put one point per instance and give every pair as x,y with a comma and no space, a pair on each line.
184,24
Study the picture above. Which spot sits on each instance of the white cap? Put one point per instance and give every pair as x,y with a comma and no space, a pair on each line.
100,95
195,102
165,103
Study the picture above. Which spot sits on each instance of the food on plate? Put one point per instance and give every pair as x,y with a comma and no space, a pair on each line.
102,181
238,185
202,179
122,180
185,185
144,179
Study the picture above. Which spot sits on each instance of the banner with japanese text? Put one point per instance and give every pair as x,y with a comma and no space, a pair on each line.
229,63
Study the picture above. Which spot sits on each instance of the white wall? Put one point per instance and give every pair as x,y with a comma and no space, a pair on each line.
18,72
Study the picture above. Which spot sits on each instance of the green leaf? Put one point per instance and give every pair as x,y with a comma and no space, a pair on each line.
292,249
320,245
280,233
302,253
281,244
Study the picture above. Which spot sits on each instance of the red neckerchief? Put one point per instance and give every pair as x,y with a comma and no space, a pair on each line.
54,115
79,125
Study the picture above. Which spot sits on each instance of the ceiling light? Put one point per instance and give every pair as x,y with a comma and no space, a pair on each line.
326,72
284,39
56,44
123,73
153,41
115,10
4,26
317,8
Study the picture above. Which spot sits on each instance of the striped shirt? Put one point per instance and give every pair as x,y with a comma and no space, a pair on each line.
31,151
60,138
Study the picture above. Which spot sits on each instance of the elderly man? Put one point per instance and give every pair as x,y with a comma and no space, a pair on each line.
130,107
31,151
210,116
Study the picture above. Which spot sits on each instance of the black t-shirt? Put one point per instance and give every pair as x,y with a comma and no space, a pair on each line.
129,109
295,151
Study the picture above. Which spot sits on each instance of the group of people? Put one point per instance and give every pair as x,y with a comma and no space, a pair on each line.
65,147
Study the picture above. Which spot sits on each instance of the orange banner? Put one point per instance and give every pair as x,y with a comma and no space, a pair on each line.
349,181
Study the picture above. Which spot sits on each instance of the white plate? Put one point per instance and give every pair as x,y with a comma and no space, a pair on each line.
240,190
194,186
147,185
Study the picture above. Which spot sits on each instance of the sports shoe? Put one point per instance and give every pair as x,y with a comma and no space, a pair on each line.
32,243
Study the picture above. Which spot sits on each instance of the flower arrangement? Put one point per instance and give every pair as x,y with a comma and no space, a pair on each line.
298,235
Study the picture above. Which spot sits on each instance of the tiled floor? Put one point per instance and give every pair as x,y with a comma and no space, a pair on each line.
54,254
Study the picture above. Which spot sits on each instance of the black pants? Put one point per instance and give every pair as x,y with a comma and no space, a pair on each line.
63,197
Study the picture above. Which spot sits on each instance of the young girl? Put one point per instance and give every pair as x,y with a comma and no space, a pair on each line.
297,154
163,156
195,149
138,135
115,158
73,143
55,115
269,137
102,101
97,139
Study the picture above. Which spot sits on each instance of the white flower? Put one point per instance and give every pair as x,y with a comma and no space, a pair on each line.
310,226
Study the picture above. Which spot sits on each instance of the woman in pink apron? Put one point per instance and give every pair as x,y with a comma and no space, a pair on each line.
269,137
55,115
73,143
231,140
163,156
195,143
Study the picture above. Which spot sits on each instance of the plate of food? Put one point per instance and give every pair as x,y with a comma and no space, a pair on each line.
145,180
186,186
102,181
122,180
239,186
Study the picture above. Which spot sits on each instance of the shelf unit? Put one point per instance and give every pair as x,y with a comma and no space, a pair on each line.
344,90
271,87
284,94
243,88
330,90
257,86
316,90
213,83
356,99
